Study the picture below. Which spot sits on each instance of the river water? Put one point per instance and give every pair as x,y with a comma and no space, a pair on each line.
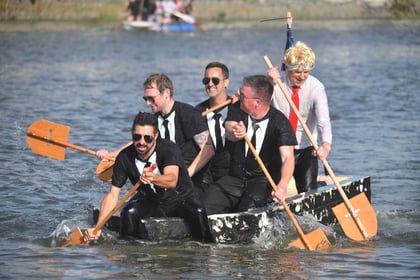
91,80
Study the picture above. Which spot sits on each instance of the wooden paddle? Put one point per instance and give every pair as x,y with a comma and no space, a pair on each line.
105,168
315,240
50,139
76,238
189,19
356,215
217,107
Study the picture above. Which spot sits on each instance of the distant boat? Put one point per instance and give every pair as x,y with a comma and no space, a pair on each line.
157,27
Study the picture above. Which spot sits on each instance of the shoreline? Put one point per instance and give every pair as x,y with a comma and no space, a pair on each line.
88,14
60,25
212,11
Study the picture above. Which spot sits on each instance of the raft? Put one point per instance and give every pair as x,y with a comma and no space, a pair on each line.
244,227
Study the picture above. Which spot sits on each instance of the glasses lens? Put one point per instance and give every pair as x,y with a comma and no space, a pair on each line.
215,81
206,81
149,98
147,138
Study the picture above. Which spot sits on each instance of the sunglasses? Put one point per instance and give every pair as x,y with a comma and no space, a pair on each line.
215,81
149,98
147,138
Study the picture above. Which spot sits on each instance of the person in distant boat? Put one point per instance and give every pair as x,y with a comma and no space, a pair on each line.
134,7
246,186
167,191
179,122
167,7
189,8
216,82
299,60
179,6
149,8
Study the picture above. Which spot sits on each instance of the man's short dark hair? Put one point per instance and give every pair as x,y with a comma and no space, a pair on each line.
162,82
143,118
217,64
262,86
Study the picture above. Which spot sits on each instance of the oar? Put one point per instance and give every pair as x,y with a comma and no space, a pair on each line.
217,107
50,139
189,19
76,238
105,168
356,215
315,240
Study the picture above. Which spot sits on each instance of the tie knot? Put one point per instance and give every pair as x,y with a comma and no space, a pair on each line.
255,126
217,116
295,89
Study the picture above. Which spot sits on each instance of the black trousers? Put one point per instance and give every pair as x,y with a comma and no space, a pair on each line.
190,208
306,169
232,194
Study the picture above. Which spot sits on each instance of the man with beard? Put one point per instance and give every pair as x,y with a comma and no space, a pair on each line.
177,121
167,191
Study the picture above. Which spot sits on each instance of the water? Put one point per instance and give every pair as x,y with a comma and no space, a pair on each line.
91,81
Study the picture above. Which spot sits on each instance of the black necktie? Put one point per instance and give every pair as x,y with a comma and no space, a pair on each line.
165,124
255,126
217,130
252,168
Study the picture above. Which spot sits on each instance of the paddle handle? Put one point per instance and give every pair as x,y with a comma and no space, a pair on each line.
273,185
217,107
85,150
101,224
289,19
314,143
63,144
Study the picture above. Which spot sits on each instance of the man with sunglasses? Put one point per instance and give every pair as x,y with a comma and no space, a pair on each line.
216,82
167,191
246,186
181,123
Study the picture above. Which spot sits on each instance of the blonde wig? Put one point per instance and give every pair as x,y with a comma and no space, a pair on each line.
299,57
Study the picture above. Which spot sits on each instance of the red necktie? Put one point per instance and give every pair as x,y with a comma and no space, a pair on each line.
295,98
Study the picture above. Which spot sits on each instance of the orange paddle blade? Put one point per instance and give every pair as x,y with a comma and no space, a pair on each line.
365,213
105,170
41,132
316,239
76,238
